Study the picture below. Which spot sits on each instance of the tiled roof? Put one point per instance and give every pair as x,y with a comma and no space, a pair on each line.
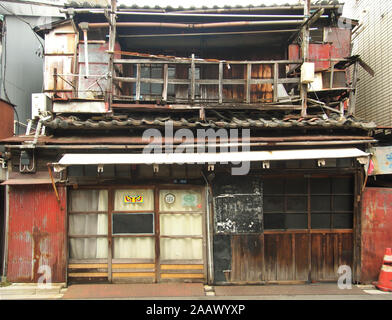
333,122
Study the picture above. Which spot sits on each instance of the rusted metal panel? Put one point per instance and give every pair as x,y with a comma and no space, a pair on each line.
95,84
316,51
60,52
7,119
340,38
36,233
376,230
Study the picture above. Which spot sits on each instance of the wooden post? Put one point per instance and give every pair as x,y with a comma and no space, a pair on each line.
112,42
353,96
138,72
248,77
54,81
305,52
276,77
220,82
165,81
193,78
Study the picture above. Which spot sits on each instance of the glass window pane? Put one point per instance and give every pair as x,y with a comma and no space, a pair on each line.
296,221
296,186
320,203
274,221
320,186
88,200
133,223
180,200
342,221
134,248
297,204
321,220
181,224
134,200
181,249
343,203
273,186
88,224
88,248
343,185
273,204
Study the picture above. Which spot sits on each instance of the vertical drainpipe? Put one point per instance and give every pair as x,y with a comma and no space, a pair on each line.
209,239
7,211
84,27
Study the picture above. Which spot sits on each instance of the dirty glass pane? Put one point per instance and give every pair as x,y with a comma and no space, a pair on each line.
88,248
321,220
273,186
297,204
296,186
320,186
273,204
343,185
296,221
343,203
88,224
88,200
320,203
274,221
133,223
134,248
134,200
180,200
342,221
181,224
181,249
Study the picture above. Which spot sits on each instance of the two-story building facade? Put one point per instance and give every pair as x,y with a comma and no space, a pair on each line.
210,145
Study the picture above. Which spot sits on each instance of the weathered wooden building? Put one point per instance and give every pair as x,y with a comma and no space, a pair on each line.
269,87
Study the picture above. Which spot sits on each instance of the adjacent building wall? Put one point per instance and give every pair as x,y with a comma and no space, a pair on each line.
373,42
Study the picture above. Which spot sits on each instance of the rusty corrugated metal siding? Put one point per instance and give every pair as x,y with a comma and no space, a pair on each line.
7,120
376,230
37,233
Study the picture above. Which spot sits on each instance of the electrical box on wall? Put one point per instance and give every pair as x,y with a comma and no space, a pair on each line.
307,72
40,102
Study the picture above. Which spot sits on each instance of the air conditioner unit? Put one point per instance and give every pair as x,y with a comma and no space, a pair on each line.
40,102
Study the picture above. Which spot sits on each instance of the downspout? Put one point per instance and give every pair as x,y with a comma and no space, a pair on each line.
209,239
7,212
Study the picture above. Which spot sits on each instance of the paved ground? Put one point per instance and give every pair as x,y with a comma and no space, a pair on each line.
191,291
101,291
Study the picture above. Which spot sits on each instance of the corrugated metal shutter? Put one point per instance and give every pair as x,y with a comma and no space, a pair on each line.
37,232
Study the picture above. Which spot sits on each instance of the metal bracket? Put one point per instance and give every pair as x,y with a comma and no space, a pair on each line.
266,164
321,162
155,168
100,168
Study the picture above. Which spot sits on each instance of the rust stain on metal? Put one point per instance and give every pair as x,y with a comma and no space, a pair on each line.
37,237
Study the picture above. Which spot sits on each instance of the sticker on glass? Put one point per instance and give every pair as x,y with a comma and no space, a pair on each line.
189,200
133,199
170,198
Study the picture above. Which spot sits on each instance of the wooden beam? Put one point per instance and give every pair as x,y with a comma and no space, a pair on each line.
220,82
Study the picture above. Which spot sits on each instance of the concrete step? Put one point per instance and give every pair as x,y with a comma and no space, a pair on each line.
29,289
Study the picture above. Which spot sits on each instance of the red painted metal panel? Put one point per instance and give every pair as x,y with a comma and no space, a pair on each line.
376,230
316,51
37,233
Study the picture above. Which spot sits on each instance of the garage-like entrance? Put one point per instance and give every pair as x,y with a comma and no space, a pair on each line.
137,234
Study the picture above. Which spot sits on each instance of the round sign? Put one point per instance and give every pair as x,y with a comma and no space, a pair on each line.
170,198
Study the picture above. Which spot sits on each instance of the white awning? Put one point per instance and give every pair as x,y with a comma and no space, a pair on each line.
201,158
